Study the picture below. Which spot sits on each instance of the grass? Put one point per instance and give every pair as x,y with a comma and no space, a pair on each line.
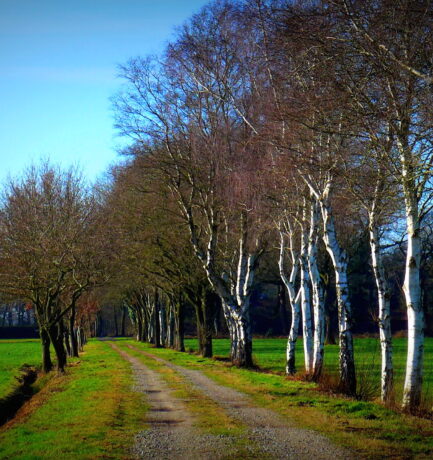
14,354
366,427
269,354
89,413
92,412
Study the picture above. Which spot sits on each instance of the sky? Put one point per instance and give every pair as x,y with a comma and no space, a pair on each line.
58,70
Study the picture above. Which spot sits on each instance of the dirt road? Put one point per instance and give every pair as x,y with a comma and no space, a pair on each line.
172,433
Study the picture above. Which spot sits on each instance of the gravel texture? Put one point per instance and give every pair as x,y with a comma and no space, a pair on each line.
276,437
171,434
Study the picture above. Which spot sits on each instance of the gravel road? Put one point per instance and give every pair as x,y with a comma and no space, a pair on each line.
171,434
276,437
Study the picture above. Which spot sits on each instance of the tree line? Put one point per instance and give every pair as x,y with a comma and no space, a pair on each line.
268,138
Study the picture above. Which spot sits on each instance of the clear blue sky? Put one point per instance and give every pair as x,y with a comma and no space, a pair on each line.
58,70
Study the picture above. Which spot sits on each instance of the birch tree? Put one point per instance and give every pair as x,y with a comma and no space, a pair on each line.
286,233
395,42
204,147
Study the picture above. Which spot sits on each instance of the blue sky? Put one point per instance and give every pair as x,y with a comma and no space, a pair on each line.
58,66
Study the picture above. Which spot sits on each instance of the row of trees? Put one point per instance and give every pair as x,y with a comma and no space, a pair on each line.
306,120
269,137
52,254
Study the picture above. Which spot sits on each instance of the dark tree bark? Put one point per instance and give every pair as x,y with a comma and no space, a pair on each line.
123,323
205,313
157,338
283,310
179,341
73,334
116,326
56,337
47,364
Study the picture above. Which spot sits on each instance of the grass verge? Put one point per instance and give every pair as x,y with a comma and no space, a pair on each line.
89,413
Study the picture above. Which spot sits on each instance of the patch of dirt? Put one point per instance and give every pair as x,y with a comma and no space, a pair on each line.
171,434
275,436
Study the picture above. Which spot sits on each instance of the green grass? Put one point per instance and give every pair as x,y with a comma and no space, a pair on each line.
13,355
366,427
91,412
269,354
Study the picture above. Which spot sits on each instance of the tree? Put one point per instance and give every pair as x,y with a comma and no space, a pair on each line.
204,150
49,248
394,42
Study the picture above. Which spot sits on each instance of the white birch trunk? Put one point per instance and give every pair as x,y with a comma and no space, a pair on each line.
318,294
383,296
339,260
79,339
294,301
234,294
307,330
415,313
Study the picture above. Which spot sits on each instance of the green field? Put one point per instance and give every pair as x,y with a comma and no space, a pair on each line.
13,355
91,412
269,354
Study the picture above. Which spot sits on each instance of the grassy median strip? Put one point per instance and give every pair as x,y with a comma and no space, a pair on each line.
91,412
366,427
210,417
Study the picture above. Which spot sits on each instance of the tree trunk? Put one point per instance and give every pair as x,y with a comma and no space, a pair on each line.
180,331
73,333
157,327
282,309
47,364
171,328
242,350
293,336
162,323
116,326
339,260
383,296
123,323
139,330
56,337
79,336
294,299
318,295
415,313
204,315
67,339
307,330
